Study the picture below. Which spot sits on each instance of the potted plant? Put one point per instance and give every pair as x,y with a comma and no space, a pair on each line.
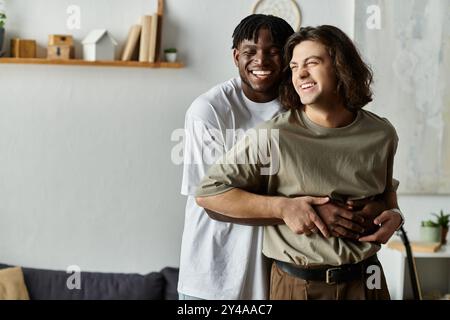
2,30
430,231
170,54
443,221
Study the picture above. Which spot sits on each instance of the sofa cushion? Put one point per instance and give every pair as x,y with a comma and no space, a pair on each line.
171,277
52,285
12,285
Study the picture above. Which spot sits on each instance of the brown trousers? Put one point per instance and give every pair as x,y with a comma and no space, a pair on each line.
284,286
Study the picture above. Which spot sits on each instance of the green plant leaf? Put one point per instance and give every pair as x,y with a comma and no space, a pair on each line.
442,219
2,19
429,223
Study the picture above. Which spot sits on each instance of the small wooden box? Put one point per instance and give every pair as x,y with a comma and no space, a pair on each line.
60,52
21,48
60,40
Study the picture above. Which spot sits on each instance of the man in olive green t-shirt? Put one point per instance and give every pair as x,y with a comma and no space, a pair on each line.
326,146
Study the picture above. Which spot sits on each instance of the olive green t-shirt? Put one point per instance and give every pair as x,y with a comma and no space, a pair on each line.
292,156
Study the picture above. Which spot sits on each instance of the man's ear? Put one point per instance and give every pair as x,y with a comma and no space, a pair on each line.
236,57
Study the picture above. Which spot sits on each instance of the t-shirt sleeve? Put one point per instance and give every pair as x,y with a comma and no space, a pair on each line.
203,145
391,183
242,167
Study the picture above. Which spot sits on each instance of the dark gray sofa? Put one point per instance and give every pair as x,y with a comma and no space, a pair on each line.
51,285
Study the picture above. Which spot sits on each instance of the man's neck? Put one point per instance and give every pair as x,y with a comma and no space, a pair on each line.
260,97
330,117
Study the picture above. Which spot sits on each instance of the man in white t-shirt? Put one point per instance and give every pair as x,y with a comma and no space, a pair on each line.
221,260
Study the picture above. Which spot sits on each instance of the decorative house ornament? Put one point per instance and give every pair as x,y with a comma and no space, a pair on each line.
60,47
99,45
286,9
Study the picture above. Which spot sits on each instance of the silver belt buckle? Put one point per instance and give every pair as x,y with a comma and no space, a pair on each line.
328,275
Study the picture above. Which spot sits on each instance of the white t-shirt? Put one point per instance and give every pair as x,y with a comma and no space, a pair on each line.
220,260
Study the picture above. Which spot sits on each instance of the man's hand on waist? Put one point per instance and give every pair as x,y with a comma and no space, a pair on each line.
341,221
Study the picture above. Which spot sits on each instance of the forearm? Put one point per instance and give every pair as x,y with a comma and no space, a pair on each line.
390,199
241,204
243,221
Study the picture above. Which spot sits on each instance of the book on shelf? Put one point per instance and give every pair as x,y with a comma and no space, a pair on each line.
153,38
144,53
132,43
158,37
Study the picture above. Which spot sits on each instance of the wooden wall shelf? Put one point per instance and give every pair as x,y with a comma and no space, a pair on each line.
117,63
75,62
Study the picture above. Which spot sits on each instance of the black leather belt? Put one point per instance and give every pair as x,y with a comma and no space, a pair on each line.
329,275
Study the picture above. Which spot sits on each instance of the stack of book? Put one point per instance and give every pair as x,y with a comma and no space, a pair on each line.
143,40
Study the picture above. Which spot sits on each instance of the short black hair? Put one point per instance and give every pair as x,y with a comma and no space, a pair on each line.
249,27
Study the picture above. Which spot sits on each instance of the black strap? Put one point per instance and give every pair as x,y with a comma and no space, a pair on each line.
417,292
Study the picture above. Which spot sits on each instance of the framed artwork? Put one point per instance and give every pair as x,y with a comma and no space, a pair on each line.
407,44
286,9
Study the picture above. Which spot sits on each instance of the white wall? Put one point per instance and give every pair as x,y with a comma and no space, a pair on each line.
86,176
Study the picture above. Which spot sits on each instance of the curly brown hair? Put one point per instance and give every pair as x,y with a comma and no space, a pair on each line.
353,75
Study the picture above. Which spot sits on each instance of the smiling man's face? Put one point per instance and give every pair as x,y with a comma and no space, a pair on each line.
313,74
260,66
